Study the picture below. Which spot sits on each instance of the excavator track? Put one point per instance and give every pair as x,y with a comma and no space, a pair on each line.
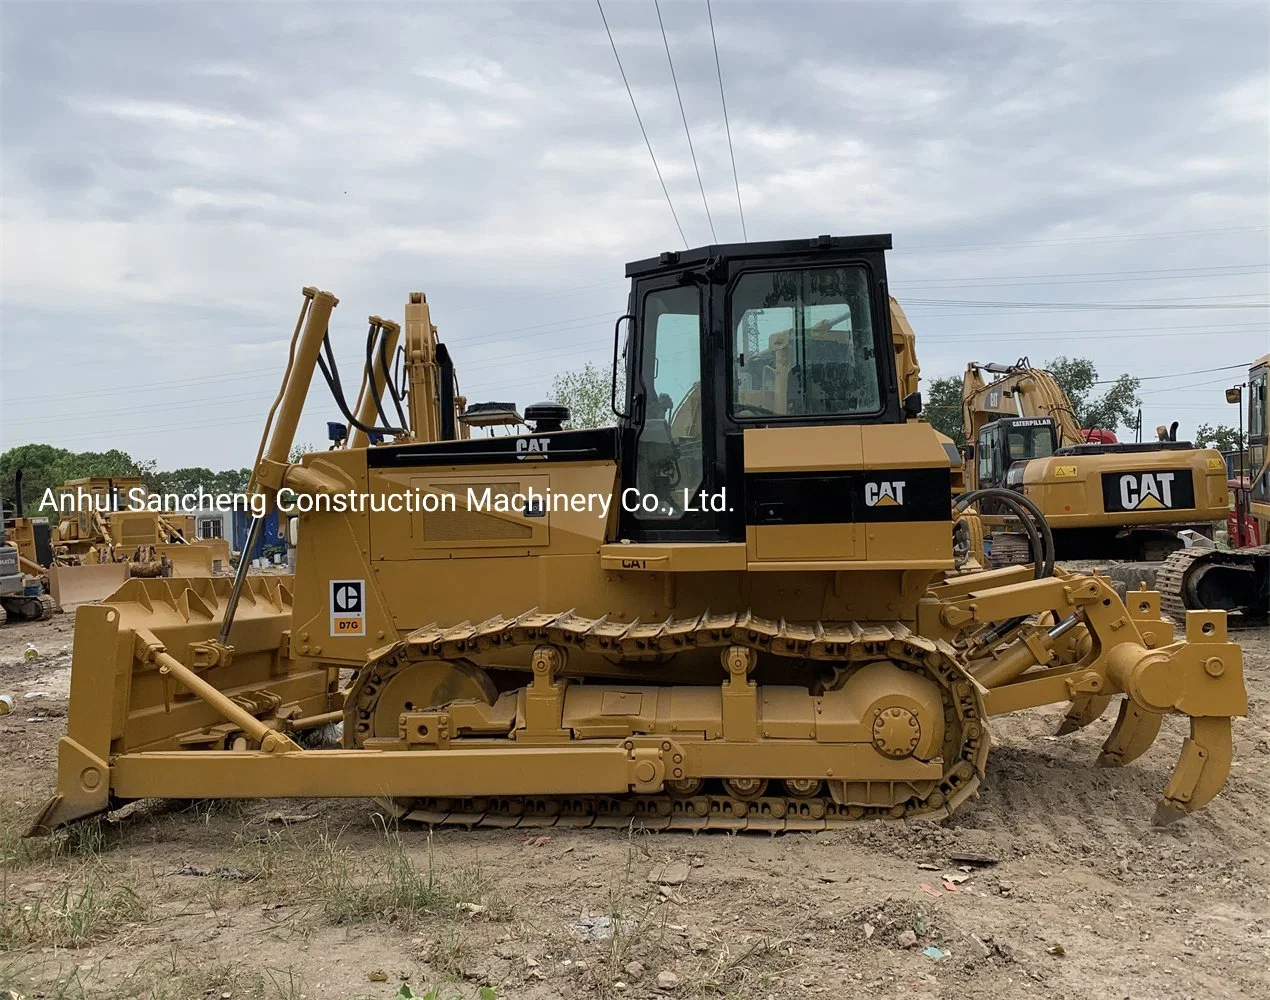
793,804
1171,579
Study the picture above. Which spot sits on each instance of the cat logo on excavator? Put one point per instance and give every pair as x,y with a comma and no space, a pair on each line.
884,494
1146,490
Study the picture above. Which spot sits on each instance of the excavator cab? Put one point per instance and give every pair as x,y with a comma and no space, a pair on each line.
1004,444
726,339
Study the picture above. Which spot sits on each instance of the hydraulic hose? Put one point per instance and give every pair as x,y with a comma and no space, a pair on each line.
331,373
389,384
1040,542
1040,537
374,389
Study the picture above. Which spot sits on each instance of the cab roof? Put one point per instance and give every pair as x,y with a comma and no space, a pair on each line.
673,260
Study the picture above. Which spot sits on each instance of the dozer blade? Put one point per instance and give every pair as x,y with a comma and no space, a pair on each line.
1084,710
1134,732
187,560
126,707
75,585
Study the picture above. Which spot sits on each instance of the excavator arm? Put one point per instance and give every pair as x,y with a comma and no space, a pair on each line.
1019,390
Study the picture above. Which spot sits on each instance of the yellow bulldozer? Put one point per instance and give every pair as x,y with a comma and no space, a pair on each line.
735,609
1102,498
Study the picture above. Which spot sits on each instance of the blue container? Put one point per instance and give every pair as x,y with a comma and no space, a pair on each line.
270,537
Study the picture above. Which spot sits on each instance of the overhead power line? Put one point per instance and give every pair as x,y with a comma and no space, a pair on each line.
682,114
643,131
1151,378
1195,303
1087,277
726,126
1068,240
1183,388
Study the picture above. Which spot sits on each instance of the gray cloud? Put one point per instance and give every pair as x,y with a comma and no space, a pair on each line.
174,173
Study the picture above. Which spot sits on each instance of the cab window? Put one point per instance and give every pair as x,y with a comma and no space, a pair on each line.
989,456
803,344
1031,442
1257,406
668,458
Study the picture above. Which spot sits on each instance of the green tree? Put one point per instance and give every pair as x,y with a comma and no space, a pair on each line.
180,480
44,466
230,481
40,465
586,391
943,408
1221,437
1117,406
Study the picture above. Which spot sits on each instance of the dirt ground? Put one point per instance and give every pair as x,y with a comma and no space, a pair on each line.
320,899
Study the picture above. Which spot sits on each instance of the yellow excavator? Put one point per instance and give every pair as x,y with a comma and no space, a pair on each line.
735,609
1102,499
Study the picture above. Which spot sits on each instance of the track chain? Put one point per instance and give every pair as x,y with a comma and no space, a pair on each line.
1170,579
844,647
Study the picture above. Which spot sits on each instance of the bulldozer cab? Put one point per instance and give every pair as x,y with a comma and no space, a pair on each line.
1004,445
724,339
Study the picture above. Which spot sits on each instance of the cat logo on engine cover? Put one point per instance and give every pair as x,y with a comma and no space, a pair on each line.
348,607
884,494
1144,491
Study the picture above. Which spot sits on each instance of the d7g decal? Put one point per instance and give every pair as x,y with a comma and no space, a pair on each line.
348,607
1168,489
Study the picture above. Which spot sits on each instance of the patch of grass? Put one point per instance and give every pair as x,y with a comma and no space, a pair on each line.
88,905
180,976
205,810
26,975
391,891
442,991
355,885
87,839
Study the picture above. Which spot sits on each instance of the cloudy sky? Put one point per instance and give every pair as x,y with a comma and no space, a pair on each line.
1087,179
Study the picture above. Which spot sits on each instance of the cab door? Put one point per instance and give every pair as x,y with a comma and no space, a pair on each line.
989,453
669,455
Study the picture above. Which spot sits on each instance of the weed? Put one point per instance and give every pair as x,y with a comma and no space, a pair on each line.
26,976
286,984
434,992
78,841
392,892
88,905
205,810
352,887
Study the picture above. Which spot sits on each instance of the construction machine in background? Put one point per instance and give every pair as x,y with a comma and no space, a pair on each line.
107,535
1234,579
733,610
22,596
1103,499
25,551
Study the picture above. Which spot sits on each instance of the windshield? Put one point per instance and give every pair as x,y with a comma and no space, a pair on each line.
1030,442
803,344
